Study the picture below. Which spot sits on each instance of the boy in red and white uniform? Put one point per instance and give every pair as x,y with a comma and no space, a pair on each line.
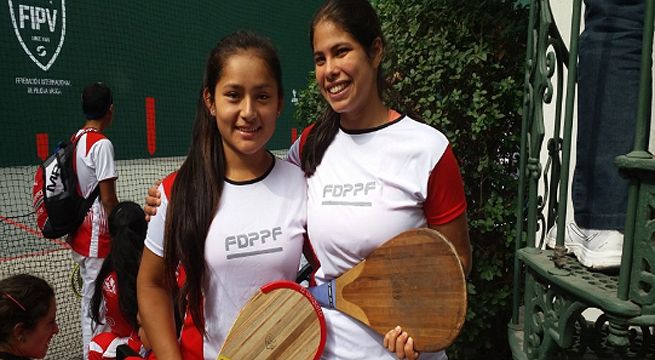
95,167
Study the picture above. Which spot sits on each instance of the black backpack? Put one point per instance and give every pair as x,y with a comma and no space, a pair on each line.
59,205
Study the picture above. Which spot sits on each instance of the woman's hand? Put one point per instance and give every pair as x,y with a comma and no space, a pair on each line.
399,342
153,200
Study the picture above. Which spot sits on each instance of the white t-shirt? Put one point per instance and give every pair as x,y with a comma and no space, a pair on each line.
256,237
94,163
370,186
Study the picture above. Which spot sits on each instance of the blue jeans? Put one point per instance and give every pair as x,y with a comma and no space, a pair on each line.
608,85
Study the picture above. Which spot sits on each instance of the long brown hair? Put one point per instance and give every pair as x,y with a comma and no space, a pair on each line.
199,183
359,19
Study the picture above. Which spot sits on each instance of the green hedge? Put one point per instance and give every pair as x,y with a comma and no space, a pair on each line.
459,65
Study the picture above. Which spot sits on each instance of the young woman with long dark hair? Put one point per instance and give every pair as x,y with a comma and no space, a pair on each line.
233,217
401,173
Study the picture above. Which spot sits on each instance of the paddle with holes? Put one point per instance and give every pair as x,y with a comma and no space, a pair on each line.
281,321
414,280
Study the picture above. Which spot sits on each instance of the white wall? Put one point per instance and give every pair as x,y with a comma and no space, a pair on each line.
562,11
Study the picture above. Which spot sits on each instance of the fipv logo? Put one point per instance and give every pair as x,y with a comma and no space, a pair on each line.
40,27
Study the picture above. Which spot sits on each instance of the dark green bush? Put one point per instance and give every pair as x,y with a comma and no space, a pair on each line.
459,66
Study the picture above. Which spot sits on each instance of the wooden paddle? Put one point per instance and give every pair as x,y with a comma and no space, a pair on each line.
414,280
281,321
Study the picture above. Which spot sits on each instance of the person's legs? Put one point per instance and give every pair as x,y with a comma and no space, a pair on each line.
89,268
608,85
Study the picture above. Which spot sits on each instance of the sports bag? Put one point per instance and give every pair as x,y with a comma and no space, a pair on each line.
57,200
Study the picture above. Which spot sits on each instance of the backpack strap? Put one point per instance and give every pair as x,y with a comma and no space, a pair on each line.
76,137
96,192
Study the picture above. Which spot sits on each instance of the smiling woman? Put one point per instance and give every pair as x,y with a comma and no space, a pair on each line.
345,74
372,172
27,310
246,103
232,217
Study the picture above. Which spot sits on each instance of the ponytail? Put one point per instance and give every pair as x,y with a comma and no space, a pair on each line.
127,227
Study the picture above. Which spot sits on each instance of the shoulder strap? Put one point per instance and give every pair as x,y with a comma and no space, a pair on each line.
74,140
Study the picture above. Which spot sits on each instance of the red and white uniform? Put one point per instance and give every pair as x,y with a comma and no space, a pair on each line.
94,163
103,345
256,237
372,185
113,315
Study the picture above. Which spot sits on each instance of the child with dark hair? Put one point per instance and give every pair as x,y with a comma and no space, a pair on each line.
115,287
96,174
27,313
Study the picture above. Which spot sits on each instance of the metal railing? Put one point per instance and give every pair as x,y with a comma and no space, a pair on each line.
551,290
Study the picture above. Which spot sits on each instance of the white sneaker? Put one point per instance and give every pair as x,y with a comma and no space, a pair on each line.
595,249
551,237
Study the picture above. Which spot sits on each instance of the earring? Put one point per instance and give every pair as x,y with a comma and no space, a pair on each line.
213,112
21,338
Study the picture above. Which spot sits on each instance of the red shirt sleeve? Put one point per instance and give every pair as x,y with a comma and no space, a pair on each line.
446,200
303,139
167,183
